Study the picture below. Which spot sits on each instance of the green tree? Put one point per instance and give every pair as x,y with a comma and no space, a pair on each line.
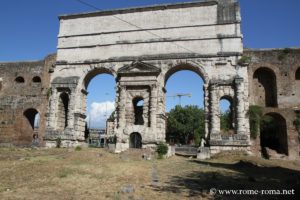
225,119
185,123
255,119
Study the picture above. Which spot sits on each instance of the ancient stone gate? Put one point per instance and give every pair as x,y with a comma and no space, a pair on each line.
142,48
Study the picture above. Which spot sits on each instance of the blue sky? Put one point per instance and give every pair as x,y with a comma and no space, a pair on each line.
29,29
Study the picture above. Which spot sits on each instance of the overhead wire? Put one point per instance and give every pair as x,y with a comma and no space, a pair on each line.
134,25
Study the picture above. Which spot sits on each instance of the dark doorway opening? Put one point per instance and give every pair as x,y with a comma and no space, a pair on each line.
273,133
135,140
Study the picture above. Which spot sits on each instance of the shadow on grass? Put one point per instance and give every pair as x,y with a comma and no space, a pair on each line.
239,176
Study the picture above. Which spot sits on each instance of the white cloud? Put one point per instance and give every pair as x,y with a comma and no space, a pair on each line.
99,112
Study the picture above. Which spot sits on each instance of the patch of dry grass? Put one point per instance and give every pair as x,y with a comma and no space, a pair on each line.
96,174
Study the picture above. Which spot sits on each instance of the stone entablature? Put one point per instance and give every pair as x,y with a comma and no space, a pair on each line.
194,29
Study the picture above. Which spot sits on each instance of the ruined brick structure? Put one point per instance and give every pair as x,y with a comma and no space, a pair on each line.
23,94
274,84
142,48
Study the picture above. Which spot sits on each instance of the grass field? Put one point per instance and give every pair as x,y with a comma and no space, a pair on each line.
97,174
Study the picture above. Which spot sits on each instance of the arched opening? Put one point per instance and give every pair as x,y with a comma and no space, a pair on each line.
297,74
99,100
30,128
138,106
135,140
36,79
33,117
226,115
273,134
20,79
265,86
63,110
185,105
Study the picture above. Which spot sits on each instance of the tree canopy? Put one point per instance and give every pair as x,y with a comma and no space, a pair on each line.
185,124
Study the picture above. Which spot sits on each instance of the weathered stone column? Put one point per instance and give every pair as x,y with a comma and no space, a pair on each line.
51,120
214,111
240,108
71,108
206,109
83,106
122,105
80,114
153,106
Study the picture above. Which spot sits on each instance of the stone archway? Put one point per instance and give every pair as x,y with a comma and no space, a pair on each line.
30,115
135,140
266,87
273,134
94,71
199,70
29,128
93,85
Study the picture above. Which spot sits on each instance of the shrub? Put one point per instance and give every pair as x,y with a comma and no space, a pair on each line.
78,148
197,139
162,149
58,142
282,54
255,117
244,60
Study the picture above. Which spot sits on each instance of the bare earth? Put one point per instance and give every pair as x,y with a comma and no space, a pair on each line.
97,174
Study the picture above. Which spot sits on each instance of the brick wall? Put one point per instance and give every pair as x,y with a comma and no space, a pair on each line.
16,97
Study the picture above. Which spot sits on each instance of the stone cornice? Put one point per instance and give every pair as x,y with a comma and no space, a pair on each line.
140,9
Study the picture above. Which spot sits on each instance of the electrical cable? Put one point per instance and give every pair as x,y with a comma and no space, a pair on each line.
131,24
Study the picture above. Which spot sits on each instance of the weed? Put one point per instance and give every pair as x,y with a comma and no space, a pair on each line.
255,117
162,149
244,60
78,148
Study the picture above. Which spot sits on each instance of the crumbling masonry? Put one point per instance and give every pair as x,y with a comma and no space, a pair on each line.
142,48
